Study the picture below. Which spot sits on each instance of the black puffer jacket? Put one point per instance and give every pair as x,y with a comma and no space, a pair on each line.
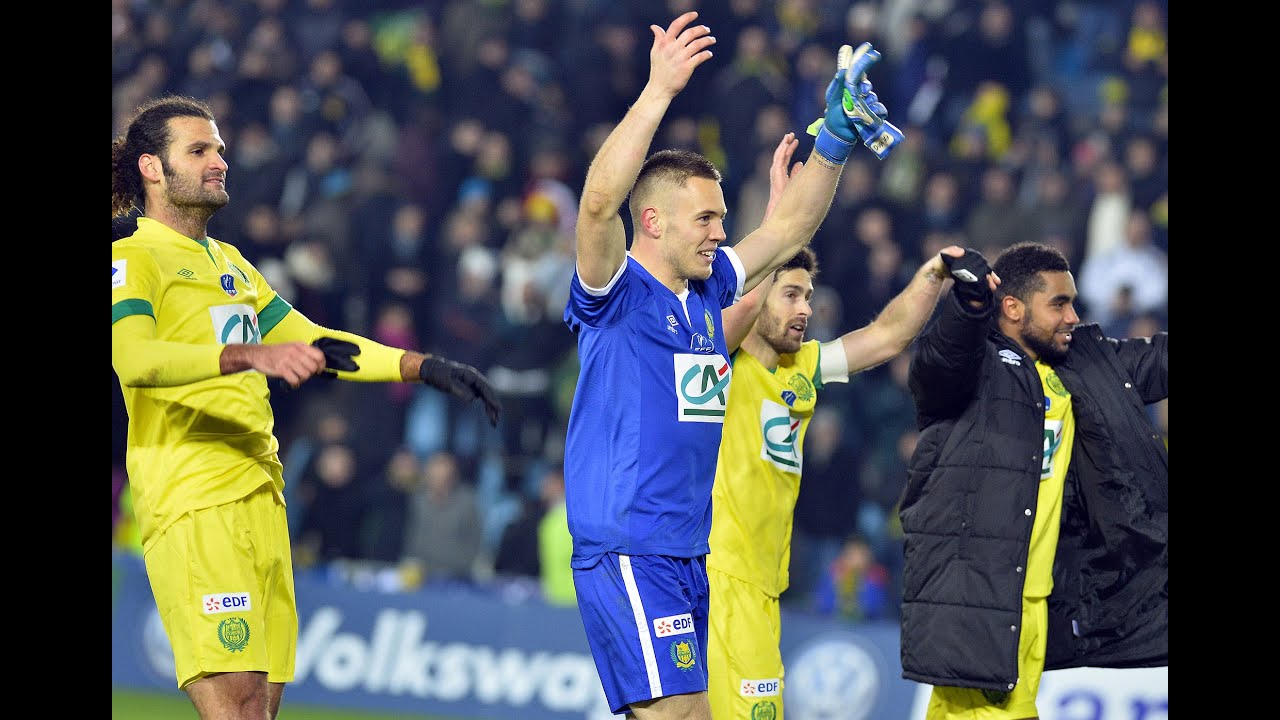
970,499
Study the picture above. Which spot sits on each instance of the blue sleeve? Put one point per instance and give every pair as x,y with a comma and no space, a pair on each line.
585,308
724,280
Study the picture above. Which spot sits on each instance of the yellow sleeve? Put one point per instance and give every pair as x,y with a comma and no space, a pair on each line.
378,362
142,360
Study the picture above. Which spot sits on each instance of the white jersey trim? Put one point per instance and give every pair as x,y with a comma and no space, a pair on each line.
601,292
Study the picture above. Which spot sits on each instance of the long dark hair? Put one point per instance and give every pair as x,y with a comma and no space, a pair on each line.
147,134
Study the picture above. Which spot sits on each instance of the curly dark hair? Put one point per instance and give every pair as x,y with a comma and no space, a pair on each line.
1019,267
806,259
147,134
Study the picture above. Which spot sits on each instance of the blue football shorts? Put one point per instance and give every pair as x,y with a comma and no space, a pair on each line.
646,622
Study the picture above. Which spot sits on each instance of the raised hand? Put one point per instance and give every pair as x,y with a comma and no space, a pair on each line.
975,280
860,103
676,52
781,171
835,134
853,110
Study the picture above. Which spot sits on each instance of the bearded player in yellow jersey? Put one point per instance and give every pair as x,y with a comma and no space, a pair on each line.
777,377
196,332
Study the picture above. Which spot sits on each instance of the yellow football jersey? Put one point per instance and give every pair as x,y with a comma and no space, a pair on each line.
758,472
208,442
1059,435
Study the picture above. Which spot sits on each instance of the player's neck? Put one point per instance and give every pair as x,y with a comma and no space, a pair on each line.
762,351
192,223
661,271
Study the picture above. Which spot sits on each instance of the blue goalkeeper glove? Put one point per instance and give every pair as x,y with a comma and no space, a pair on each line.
863,108
861,115
834,134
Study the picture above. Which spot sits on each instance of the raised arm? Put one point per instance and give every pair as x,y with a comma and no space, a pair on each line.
904,317
944,370
794,221
801,211
601,238
739,317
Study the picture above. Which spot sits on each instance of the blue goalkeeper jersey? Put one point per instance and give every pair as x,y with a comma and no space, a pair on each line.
644,429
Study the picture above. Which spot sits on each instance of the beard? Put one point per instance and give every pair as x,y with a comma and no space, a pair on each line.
774,332
195,197
1048,352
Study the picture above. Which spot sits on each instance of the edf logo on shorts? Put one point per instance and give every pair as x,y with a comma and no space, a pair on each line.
226,602
673,625
755,688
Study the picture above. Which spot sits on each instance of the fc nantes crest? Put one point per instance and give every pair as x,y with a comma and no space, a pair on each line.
234,633
1055,384
764,710
684,654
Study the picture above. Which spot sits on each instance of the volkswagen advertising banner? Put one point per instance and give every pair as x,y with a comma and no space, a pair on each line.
473,654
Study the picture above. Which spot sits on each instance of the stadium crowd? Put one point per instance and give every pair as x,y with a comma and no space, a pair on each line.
411,171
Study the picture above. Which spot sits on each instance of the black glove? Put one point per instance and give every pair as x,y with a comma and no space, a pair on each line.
461,381
337,356
970,272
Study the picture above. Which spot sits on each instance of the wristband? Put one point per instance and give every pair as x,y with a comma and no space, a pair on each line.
831,147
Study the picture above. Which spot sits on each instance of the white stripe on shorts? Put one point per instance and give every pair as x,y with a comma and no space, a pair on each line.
642,626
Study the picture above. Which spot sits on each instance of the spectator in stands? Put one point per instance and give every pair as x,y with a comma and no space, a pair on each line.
1130,279
442,534
517,553
996,222
855,586
333,494
386,508
555,544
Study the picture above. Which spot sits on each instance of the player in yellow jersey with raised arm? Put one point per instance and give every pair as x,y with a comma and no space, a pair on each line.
777,377
196,332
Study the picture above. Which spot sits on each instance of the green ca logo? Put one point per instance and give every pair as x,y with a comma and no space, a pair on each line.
701,387
241,328
712,386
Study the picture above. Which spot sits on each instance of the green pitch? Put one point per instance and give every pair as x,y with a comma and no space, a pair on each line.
132,705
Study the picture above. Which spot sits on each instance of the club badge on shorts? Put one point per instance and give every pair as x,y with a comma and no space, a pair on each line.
233,633
684,655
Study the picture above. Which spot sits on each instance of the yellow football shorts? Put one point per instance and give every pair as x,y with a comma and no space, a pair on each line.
950,703
744,662
222,578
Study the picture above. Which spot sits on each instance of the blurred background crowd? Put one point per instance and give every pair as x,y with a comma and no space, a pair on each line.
410,171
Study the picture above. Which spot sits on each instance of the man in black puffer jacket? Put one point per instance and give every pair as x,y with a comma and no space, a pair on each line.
1036,509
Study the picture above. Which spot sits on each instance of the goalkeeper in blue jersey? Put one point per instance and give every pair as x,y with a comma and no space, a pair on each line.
647,413
196,331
